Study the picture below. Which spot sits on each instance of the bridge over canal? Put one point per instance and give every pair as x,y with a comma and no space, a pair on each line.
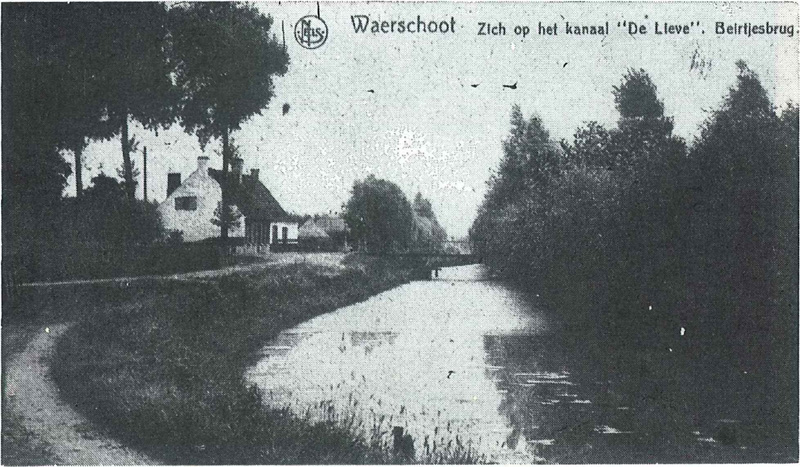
431,257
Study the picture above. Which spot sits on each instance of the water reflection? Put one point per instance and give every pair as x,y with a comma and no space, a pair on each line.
549,408
411,357
462,357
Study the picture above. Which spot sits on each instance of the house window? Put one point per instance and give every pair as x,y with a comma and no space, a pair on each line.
274,234
285,234
186,203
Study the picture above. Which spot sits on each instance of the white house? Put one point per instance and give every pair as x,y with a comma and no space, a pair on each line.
190,207
284,232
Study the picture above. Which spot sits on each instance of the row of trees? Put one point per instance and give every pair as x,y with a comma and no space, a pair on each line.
80,72
381,219
638,235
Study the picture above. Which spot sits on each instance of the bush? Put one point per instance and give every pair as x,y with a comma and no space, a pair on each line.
103,234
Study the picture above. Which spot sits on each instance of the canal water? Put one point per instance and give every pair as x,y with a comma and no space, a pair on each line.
460,360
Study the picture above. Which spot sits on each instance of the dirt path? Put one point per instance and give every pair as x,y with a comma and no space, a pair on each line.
33,397
271,260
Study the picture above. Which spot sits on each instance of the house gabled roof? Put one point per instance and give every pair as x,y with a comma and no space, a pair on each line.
252,198
311,230
330,224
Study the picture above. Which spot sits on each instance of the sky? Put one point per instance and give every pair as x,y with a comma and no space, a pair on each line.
426,128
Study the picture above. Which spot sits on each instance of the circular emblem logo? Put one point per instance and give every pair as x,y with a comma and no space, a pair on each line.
311,32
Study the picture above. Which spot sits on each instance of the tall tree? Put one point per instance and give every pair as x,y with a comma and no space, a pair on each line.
62,43
82,117
130,41
637,96
648,162
225,59
644,133
743,174
530,158
34,173
745,237
510,226
591,147
423,207
378,215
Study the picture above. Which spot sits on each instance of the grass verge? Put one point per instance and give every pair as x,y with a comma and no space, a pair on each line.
165,372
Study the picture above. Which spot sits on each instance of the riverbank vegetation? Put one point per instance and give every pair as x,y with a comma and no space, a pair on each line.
163,369
672,255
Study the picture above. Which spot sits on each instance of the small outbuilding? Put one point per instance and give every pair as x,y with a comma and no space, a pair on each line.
324,233
312,238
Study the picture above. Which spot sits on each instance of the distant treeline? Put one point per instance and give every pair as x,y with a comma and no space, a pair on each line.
380,219
642,238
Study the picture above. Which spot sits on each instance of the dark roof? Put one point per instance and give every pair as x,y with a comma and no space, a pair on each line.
252,198
330,224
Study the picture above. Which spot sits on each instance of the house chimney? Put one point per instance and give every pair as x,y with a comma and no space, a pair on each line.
236,168
202,164
254,174
173,182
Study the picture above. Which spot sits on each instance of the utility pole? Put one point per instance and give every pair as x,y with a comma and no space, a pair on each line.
78,171
145,175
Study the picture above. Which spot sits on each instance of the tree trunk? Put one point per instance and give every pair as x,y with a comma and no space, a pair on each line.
144,177
127,166
78,171
224,182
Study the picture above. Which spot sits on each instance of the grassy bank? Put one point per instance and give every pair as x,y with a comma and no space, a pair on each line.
164,372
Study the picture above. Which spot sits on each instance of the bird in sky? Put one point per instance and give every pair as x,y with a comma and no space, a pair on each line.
510,86
371,90
475,85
